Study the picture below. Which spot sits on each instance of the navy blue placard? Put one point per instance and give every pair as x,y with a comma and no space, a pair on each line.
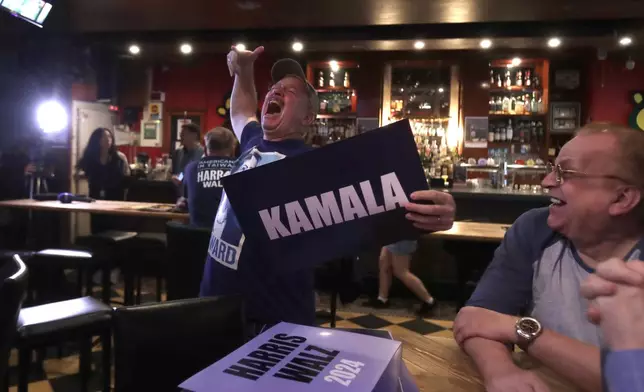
339,174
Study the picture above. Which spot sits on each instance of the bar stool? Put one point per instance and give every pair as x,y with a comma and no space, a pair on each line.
109,246
61,259
148,257
77,319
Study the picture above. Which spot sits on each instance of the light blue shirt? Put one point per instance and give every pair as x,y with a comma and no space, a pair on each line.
623,371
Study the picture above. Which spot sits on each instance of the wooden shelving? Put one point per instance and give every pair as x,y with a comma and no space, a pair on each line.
337,116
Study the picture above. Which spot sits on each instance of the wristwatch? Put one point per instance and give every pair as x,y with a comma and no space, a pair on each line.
527,329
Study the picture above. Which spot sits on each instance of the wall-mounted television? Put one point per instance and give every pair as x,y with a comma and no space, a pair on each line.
33,11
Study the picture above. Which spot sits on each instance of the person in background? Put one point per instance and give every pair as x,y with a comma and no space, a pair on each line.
202,179
394,260
597,213
235,266
190,151
616,295
106,169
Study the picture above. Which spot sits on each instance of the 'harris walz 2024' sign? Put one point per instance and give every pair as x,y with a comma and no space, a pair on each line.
331,202
291,357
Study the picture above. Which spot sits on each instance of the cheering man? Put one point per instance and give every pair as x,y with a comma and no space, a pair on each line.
234,267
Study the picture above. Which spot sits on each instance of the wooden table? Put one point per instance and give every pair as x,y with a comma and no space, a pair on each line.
438,364
474,231
126,208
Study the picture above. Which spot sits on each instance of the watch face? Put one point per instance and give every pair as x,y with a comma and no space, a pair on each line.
529,326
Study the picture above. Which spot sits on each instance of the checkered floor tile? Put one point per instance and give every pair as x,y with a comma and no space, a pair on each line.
59,370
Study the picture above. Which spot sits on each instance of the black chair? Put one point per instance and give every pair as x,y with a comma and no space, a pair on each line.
187,251
148,255
78,319
338,278
110,248
48,261
158,346
12,294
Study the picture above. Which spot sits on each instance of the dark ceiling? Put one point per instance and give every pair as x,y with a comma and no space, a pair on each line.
156,15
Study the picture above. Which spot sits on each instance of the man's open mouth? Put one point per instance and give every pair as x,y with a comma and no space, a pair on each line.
274,107
557,202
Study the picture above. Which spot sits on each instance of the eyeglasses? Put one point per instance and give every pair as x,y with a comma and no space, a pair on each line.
561,173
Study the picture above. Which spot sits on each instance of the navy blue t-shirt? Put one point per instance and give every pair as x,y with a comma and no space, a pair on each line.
203,187
236,267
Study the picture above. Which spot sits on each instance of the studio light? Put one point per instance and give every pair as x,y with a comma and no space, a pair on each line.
554,42
297,46
419,45
134,49
486,43
240,46
625,40
51,117
186,48
335,67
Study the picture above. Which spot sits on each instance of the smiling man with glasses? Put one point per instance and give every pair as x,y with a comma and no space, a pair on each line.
597,213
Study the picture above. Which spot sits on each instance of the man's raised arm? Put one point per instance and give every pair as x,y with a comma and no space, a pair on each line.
243,100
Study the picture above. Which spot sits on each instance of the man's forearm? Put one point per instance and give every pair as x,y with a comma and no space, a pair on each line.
491,357
577,361
243,100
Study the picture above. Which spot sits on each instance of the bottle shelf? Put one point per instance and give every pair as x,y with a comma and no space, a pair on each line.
514,89
517,115
337,116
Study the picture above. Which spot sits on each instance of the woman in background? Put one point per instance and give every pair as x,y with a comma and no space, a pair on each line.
105,168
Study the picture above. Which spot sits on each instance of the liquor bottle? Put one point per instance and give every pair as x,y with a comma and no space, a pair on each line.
492,105
518,107
497,135
506,105
499,84
528,79
527,105
492,79
536,82
508,80
499,105
331,79
534,104
503,135
321,80
519,78
432,130
540,131
513,105
440,131
347,82
533,129
490,133
540,108
509,131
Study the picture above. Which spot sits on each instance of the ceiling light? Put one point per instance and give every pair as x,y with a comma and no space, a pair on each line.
554,42
485,85
486,43
51,117
419,45
335,67
134,49
297,46
186,48
440,89
516,61
625,40
241,47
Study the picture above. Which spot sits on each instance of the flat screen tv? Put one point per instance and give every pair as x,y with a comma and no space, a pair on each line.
33,11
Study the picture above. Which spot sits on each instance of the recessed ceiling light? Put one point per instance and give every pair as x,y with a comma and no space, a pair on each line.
554,42
335,67
134,49
240,46
185,48
485,85
486,43
297,46
440,89
516,61
419,45
625,40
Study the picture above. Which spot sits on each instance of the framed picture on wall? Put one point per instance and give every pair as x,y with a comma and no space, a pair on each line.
476,132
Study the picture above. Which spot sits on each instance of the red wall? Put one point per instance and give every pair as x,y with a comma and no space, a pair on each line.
610,84
199,84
